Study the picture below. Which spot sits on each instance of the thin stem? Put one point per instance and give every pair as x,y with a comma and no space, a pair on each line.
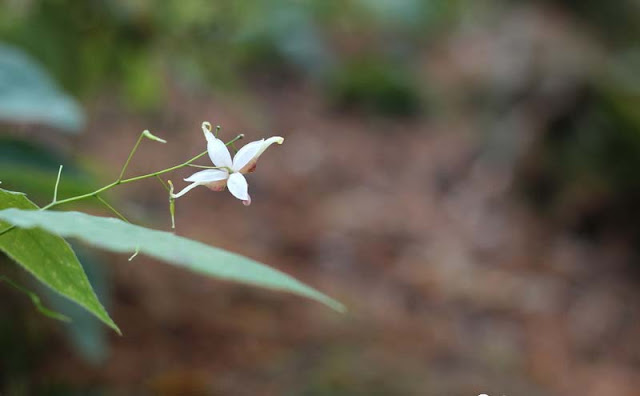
172,206
79,197
133,150
55,189
105,203
235,139
35,300
163,183
124,181
134,254
182,165
154,174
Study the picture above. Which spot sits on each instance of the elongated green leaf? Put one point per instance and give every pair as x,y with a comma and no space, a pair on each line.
118,236
49,258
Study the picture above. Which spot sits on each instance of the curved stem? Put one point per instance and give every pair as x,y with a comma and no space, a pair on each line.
129,180
118,181
35,300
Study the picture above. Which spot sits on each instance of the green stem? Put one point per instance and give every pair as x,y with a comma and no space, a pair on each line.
163,183
172,206
109,186
55,189
158,173
35,300
129,180
111,208
133,150
79,197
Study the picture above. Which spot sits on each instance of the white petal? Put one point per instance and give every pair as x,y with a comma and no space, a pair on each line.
208,175
269,142
237,185
218,152
251,165
185,190
206,128
246,154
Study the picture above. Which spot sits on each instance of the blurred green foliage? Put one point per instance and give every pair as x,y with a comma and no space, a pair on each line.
26,339
591,155
23,340
375,87
361,52
617,22
129,47
28,94
589,160
87,334
32,168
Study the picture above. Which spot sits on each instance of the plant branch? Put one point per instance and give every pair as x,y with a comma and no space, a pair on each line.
131,179
111,208
133,150
55,189
163,183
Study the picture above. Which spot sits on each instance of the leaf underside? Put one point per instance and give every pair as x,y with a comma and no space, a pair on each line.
117,236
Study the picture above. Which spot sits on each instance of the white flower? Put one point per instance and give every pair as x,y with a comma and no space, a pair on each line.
230,172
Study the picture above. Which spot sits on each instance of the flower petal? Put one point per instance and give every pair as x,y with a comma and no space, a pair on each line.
237,185
208,175
246,154
269,142
218,152
185,190
206,129
251,165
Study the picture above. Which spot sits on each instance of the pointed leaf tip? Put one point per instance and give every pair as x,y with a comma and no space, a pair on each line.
117,236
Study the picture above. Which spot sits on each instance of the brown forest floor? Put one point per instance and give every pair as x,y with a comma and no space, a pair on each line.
454,286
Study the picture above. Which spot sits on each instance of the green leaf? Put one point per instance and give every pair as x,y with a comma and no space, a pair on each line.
49,258
85,332
118,236
28,94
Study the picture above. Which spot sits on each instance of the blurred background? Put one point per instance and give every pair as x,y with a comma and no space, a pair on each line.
463,175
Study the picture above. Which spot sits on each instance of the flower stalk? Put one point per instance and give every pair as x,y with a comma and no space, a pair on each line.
121,180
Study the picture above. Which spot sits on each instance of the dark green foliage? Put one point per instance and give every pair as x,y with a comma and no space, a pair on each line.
588,167
32,168
375,86
618,23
